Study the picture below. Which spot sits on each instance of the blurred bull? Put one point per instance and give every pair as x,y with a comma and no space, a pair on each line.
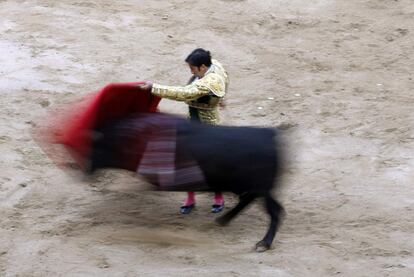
180,155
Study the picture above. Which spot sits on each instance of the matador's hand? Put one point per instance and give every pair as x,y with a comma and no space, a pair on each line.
146,86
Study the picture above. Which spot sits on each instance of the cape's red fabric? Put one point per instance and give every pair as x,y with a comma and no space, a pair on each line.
112,102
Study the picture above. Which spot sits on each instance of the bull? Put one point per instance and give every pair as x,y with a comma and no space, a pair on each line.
246,161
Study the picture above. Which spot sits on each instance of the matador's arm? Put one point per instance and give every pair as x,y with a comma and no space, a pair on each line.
211,83
179,93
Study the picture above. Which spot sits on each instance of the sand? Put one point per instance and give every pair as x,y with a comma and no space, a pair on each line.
336,75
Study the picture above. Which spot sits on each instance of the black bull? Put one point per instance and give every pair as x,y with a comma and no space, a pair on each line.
244,160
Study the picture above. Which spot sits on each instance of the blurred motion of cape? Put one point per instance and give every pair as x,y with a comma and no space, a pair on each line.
75,126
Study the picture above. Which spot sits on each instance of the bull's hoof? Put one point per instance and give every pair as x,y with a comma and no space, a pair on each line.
222,221
262,246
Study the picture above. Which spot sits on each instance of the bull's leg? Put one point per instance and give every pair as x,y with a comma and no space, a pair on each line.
245,200
275,210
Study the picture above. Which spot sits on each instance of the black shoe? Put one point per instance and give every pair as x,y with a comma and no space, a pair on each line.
186,209
216,208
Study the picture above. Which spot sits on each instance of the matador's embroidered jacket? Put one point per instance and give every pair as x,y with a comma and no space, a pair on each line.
202,95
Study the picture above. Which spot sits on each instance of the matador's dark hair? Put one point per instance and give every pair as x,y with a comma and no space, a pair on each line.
199,57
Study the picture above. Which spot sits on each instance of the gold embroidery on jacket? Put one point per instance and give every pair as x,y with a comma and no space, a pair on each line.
214,84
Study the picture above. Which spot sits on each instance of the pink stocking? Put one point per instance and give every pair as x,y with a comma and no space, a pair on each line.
218,198
190,199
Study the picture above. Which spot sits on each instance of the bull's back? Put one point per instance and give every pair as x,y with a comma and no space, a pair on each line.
232,158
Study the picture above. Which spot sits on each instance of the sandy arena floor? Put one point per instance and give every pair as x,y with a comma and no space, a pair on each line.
337,75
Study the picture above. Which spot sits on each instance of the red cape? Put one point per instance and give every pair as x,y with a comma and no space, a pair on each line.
112,102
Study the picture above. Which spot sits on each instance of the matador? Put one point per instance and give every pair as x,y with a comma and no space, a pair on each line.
203,94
